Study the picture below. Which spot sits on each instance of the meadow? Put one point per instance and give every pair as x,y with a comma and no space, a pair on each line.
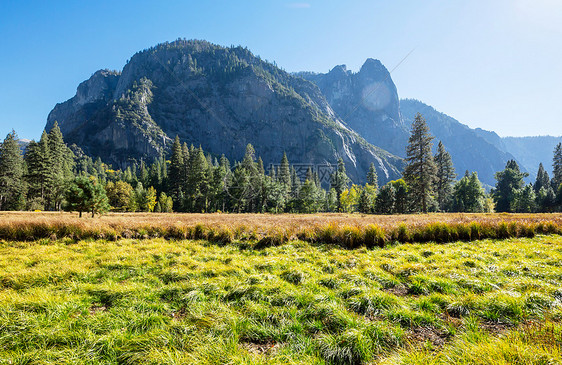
144,296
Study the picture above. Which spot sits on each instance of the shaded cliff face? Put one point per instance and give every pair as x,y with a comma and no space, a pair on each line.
368,103
469,150
216,97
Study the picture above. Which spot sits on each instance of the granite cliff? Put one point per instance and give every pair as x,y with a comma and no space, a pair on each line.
217,97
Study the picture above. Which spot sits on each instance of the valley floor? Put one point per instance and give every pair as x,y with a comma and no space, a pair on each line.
157,301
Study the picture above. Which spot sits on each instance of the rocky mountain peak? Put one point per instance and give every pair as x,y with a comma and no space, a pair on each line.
374,69
219,98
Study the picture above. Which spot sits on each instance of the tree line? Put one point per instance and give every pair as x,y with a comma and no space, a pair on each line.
52,176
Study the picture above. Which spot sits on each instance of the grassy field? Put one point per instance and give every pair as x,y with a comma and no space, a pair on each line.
166,301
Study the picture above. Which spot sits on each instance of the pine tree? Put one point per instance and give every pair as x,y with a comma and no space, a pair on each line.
542,180
524,200
509,181
366,200
420,172
39,171
557,167
386,200
445,177
468,195
62,163
197,182
339,181
86,194
175,176
372,177
187,155
12,184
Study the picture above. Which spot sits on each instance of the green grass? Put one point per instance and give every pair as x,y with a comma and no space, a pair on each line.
158,301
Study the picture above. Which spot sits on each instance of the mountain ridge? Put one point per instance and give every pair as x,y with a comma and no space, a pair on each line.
217,97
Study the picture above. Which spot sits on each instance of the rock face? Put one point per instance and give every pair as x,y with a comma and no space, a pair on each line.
216,97
367,101
468,148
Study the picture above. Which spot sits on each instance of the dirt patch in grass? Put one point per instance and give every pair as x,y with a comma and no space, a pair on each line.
266,348
96,309
398,290
426,334
496,327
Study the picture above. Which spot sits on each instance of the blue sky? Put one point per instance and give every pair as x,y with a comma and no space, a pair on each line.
495,64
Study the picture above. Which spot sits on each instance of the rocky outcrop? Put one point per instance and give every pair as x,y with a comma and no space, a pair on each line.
216,97
367,101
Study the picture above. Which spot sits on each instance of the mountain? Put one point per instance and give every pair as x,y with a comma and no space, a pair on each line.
23,143
530,151
468,148
367,101
216,97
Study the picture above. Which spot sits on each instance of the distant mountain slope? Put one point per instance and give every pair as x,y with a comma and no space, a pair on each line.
531,151
468,148
367,101
219,98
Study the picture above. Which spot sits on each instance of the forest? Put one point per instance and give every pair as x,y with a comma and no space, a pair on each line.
51,176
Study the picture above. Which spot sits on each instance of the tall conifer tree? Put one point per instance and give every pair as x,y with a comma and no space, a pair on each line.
12,184
372,177
542,180
557,167
420,173
445,176
175,176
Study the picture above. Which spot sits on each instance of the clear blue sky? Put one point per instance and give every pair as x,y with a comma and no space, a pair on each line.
495,64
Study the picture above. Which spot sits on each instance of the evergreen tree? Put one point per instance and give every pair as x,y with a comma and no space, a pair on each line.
524,200
557,167
508,182
62,163
384,203
372,177
197,182
367,198
542,180
420,172
309,199
38,177
546,199
401,196
86,194
175,176
284,175
444,178
468,195
339,181
12,184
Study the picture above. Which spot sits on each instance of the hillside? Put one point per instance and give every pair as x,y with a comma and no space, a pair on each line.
216,97
468,149
368,102
531,151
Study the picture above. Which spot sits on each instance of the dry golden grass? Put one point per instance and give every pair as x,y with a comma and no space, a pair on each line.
348,230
